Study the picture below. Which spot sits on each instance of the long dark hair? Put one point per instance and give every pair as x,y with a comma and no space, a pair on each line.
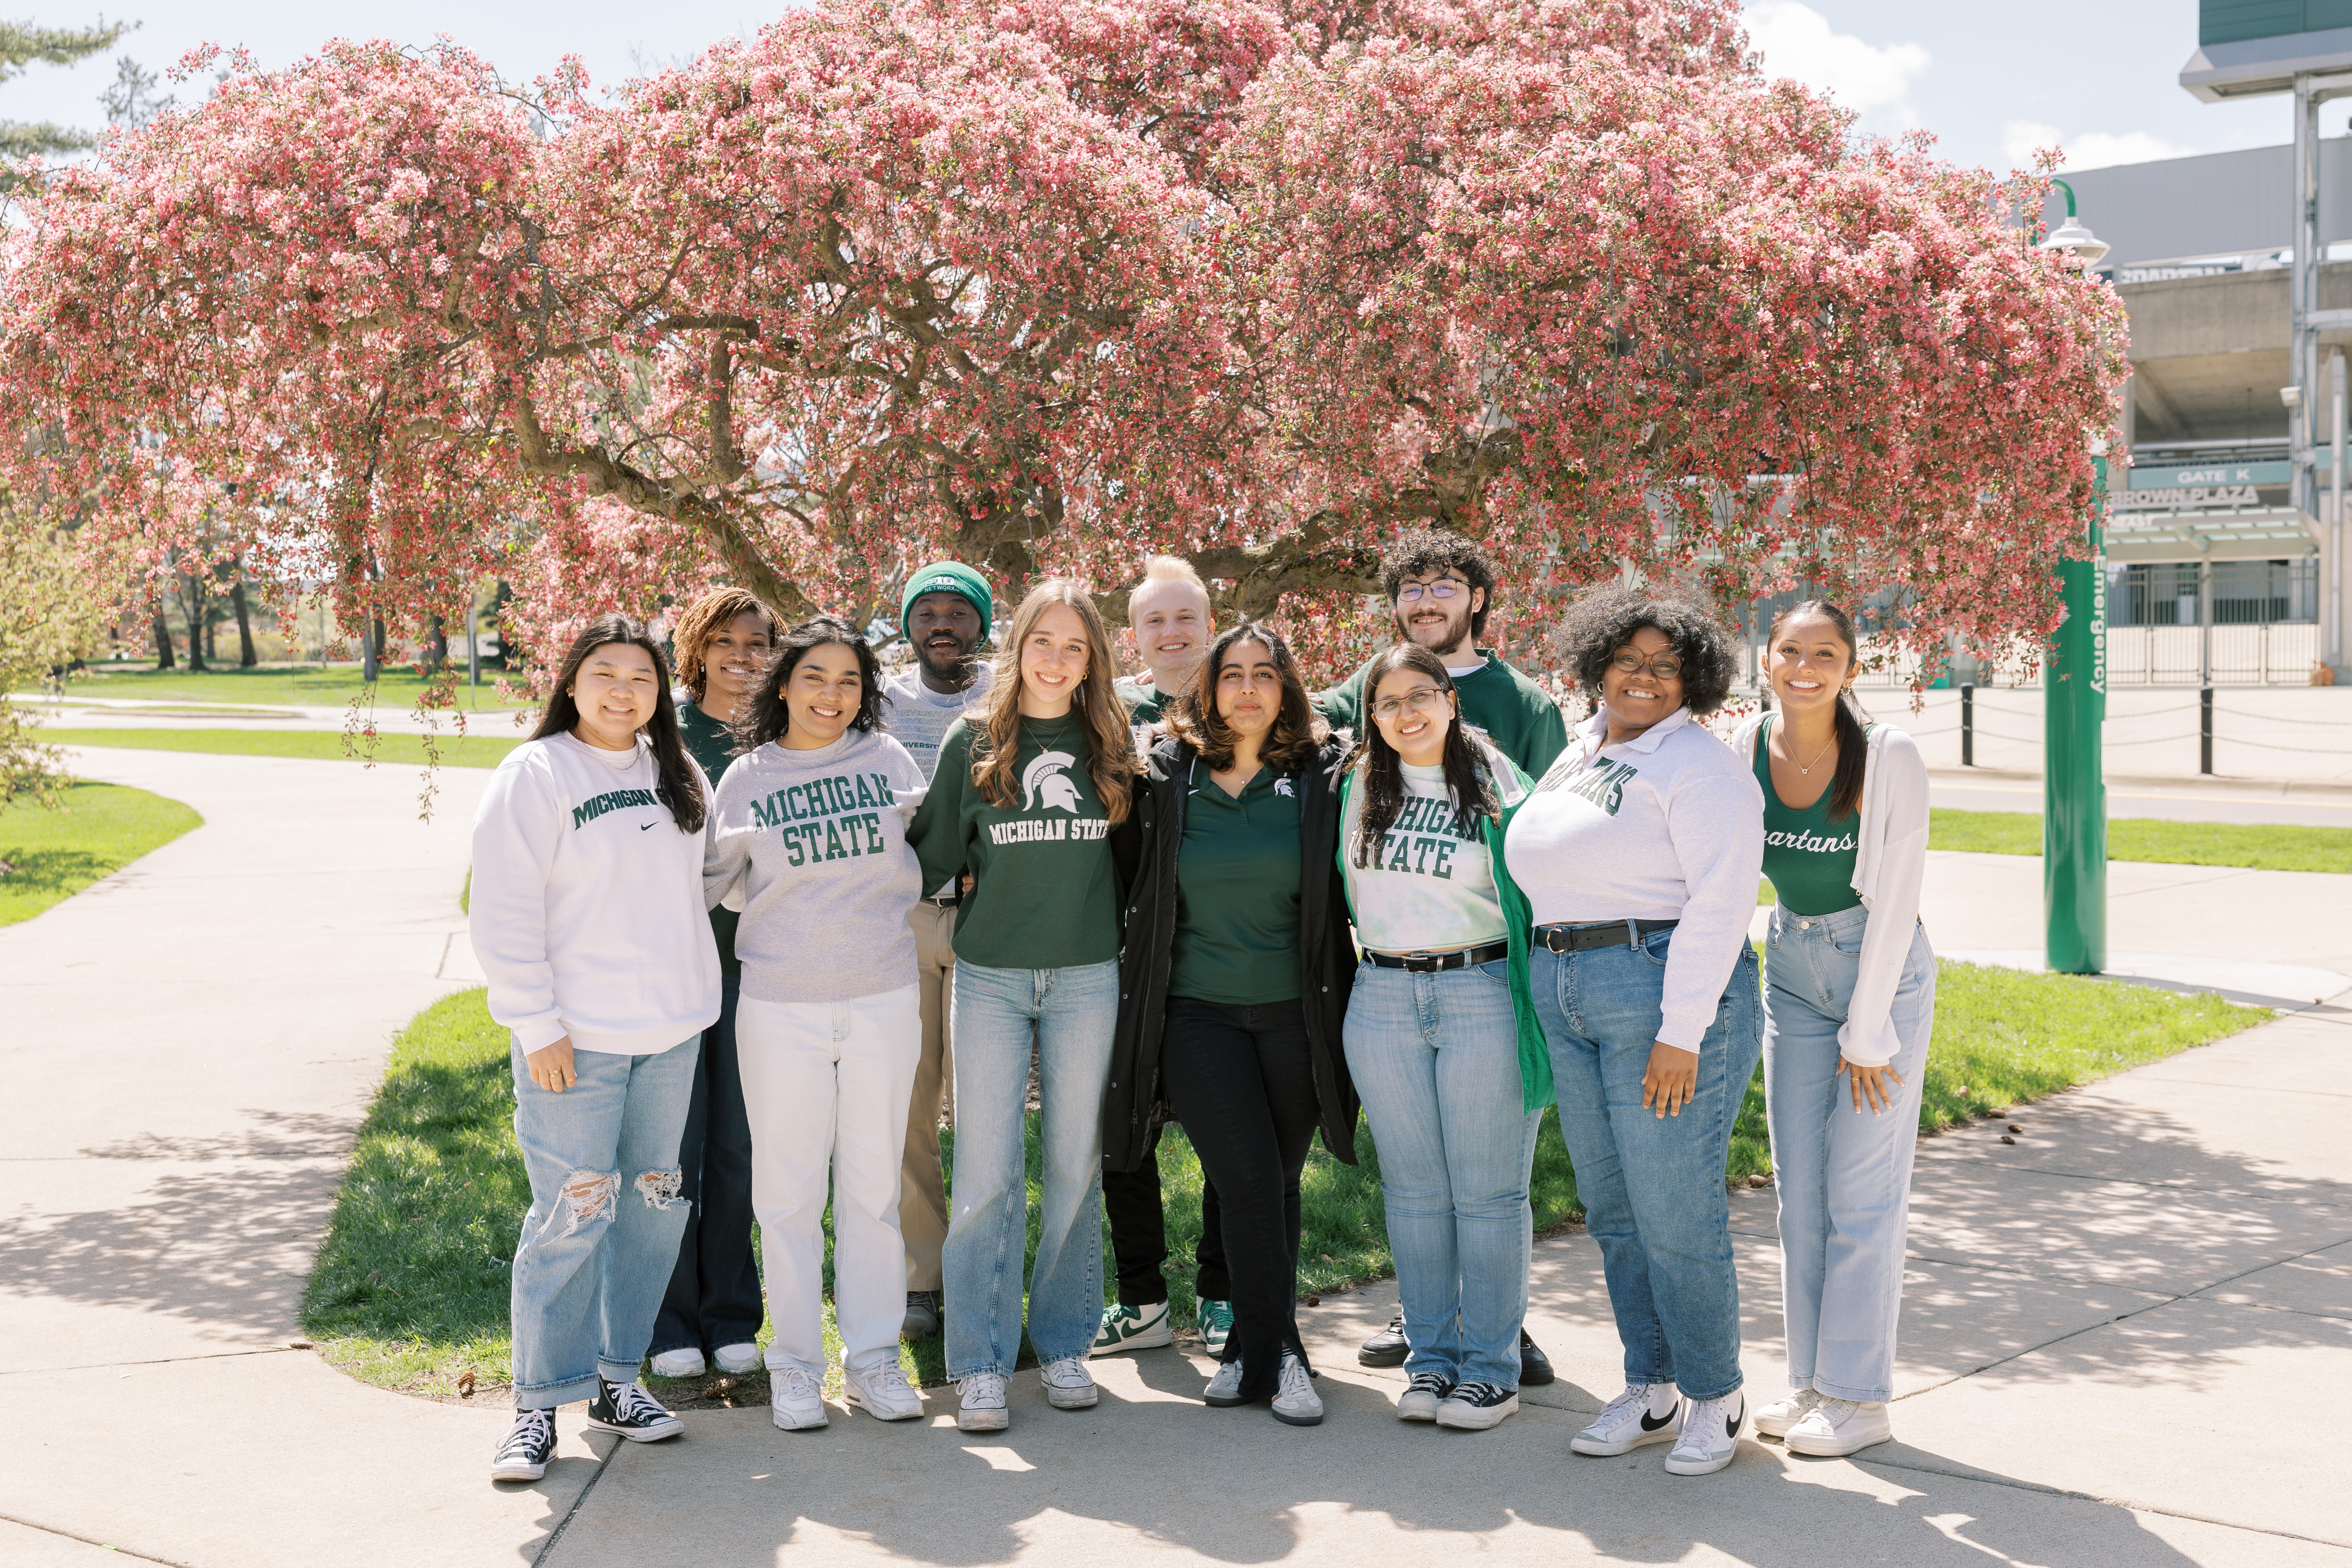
1297,729
677,789
1381,770
1853,743
769,719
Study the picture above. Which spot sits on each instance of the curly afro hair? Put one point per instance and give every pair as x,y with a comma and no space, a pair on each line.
1605,620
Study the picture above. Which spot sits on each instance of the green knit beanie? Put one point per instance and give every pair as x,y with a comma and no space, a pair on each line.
947,577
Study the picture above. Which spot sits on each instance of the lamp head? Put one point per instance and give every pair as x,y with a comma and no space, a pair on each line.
2072,236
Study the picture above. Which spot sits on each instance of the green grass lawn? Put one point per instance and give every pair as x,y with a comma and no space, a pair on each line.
410,1289
98,829
272,685
475,751
2262,847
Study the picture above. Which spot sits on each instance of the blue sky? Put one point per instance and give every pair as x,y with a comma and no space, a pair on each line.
1992,78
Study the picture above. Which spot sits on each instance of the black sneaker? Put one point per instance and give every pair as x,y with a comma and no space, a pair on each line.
1535,1367
1421,1396
1386,1348
626,1409
1475,1406
529,1444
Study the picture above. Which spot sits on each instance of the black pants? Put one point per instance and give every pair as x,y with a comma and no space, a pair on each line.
714,1292
1138,1234
1240,1081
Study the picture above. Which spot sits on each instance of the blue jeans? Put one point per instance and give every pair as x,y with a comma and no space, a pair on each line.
1436,1060
1651,1187
606,1212
1844,1176
1069,1014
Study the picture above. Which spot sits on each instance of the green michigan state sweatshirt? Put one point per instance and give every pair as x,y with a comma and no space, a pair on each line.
1045,889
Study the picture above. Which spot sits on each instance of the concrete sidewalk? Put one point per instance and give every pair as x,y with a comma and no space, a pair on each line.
2120,1333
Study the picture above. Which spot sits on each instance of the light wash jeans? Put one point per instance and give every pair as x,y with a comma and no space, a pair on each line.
1844,1176
1651,1187
1069,1014
824,1088
1436,1060
602,1236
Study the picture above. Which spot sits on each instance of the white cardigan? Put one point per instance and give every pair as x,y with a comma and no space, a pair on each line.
1889,865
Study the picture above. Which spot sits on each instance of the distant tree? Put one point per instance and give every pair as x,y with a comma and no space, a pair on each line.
23,45
48,621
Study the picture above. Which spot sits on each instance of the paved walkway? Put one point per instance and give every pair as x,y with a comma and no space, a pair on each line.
2126,1337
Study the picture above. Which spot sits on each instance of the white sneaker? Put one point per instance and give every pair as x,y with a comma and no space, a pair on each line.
1068,1385
1224,1390
1646,1413
795,1399
1836,1427
1423,1393
983,1403
1296,1403
1775,1419
735,1359
1126,1327
1710,1436
679,1363
882,1392
1475,1407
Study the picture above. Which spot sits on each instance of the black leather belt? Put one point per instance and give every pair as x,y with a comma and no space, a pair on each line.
1433,963
1566,938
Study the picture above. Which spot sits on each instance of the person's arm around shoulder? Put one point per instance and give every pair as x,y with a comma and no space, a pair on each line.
517,829
1546,731
1342,706
1893,819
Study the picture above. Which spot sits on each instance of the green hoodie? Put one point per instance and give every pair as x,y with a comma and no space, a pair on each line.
1045,888
1518,920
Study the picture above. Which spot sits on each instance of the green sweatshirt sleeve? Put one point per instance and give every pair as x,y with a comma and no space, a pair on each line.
1342,706
937,832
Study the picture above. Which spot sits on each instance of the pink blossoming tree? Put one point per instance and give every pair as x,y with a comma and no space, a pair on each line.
1049,286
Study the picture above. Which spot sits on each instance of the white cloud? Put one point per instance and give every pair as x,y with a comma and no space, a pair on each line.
2020,139
1873,80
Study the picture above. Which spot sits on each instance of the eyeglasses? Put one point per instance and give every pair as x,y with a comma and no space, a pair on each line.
1412,591
1666,666
1419,700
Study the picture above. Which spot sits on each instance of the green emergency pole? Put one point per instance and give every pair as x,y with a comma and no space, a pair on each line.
2074,785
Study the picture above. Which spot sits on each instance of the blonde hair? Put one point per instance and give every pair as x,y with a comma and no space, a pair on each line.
1171,569
700,621
995,764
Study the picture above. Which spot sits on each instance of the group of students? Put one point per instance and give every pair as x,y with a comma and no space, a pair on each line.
1206,895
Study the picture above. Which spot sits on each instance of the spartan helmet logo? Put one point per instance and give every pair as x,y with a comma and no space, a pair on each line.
1046,781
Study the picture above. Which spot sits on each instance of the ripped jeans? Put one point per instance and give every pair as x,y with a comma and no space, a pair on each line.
606,1217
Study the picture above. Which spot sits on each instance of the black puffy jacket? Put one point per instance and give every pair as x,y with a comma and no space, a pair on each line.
1154,834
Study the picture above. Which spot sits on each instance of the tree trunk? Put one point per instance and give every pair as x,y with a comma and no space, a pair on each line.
191,611
371,649
436,647
245,657
211,640
164,659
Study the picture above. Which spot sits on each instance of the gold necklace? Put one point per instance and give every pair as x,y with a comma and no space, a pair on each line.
1804,770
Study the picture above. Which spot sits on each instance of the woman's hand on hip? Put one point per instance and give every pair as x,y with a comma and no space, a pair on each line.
551,1066
1671,1081
1871,1084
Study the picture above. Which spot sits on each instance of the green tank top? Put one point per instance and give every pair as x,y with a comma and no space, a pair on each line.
1810,860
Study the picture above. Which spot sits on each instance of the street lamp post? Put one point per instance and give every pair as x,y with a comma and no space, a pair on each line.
2074,709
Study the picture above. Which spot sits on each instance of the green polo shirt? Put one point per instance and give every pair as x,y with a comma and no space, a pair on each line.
710,744
1517,715
1237,893
1045,888
1144,704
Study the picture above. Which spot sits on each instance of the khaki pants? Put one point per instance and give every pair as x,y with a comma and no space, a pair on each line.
922,1196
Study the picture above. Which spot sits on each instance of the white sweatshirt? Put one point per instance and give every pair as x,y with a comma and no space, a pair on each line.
1667,826
586,911
818,841
1890,864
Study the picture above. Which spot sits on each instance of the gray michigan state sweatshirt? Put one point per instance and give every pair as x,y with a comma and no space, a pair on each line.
818,840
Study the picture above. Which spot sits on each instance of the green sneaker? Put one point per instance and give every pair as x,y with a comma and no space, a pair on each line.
1127,1328
1216,1325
